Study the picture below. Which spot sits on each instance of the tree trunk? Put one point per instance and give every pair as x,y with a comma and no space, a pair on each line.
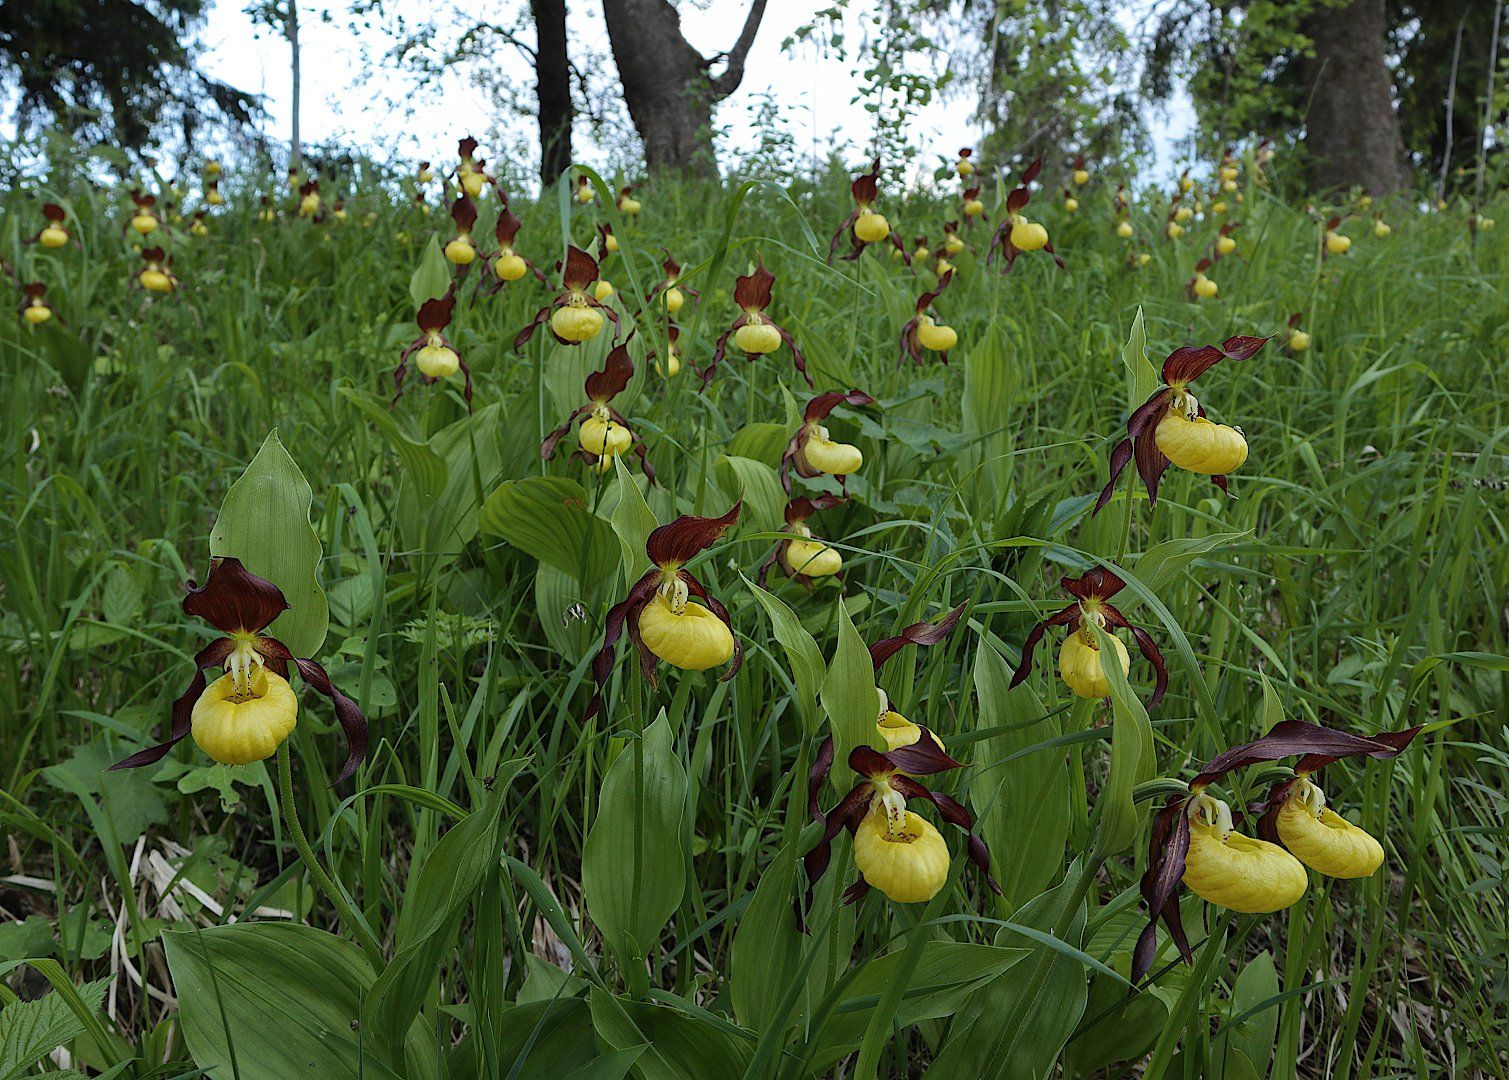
1351,131
296,152
666,82
552,72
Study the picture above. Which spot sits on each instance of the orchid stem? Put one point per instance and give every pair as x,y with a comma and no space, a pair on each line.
317,873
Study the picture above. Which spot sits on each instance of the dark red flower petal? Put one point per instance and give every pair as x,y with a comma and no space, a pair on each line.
1062,617
752,291
435,314
182,716
579,271
603,386
507,227
819,407
865,188
1098,582
350,717
687,536
921,633
1289,738
1168,846
234,599
618,615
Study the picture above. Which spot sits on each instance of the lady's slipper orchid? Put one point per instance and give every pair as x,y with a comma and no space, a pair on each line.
801,555
53,235
953,243
1225,242
754,333
607,243
1336,243
1081,665
661,618
460,251
1171,426
672,366
507,264
921,332
1080,175
972,205
895,729
921,252
1381,228
268,211
1299,340
434,356
627,203
896,851
1201,287
574,314
470,172
1071,204
585,192
1016,234
670,290
865,225
198,226
1193,841
246,713
603,434
812,451
34,309
309,198
145,219
157,276
964,167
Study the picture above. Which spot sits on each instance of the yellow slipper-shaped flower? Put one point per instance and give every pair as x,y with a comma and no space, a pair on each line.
1081,668
693,639
833,458
1199,445
1237,872
1324,840
909,864
239,728
813,558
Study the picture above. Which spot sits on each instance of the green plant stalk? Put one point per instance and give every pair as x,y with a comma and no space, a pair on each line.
365,938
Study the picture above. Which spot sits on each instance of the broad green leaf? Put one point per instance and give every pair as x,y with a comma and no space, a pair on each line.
1160,564
945,975
469,449
1255,1000
767,948
556,599
677,1045
548,517
1142,376
759,486
546,1038
284,1000
633,863
432,277
850,699
633,521
1023,802
762,442
802,653
124,804
264,522
1132,758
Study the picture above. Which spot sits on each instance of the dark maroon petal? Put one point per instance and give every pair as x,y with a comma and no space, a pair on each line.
1149,650
618,614
643,454
466,147
234,599
822,764
522,337
922,633
1119,458
1058,618
618,369
955,814
34,290
1395,741
435,315
1030,173
1296,737
547,448
839,236
182,715
352,722
1098,582
866,187
687,536
752,291
153,254
1014,203
857,891
580,269
464,214
847,814
819,407
923,758
1151,465
52,212
507,227
671,267
797,359
1167,849
804,506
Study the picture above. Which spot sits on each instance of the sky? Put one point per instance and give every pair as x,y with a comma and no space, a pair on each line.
813,92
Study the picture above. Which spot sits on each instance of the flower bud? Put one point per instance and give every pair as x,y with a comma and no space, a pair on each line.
603,289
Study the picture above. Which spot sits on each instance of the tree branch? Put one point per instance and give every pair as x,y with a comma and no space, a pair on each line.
733,74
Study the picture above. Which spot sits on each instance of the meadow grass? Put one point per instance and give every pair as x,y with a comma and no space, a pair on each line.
1356,578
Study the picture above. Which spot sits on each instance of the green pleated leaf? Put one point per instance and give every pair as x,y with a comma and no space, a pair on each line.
633,863
633,521
549,518
802,653
760,487
850,699
281,1000
264,522
1132,757
432,277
